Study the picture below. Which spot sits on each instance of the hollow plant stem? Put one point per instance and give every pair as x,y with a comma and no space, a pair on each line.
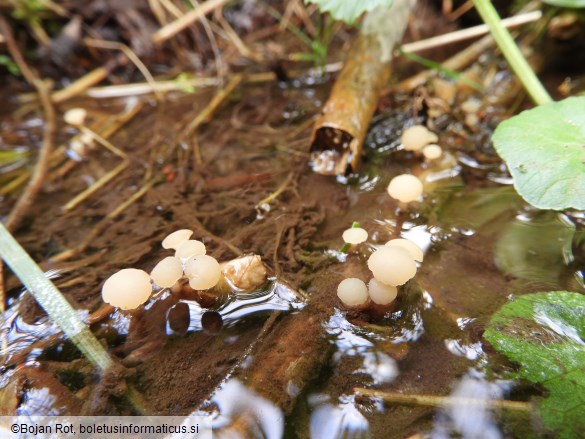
512,53
51,299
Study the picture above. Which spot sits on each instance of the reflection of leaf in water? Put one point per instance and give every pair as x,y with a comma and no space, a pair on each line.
536,249
474,209
545,334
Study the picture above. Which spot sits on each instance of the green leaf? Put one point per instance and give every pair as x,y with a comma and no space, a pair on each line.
544,149
348,10
545,334
566,3
10,65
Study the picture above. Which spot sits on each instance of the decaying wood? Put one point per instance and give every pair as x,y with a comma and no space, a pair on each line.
339,133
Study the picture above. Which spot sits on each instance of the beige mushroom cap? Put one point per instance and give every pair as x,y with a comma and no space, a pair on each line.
352,292
414,138
392,265
355,235
405,188
380,293
75,116
414,250
176,238
127,289
203,272
167,272
432,151
190,248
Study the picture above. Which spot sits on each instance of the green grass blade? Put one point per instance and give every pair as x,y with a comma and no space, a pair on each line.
51,299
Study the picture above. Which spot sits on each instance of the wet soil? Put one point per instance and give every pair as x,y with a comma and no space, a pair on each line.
242,183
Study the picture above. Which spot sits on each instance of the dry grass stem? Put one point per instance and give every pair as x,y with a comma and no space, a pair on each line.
215,103
109,176
470,32
457,13
444,401
456,62
38,176
274,195
104,142
186,20
113,45
80,85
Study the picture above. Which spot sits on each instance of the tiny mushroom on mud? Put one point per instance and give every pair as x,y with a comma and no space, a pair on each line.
167,272
381,294
414,250
203,272
75,116
405,188
176,238
352,292
190,248
355,235
392,265
432,151
414,138
127,289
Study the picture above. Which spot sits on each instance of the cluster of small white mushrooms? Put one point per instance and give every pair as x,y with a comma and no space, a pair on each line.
395,263
419,138
130,287
392,265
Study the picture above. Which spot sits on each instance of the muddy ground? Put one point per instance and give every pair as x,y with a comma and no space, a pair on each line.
243,184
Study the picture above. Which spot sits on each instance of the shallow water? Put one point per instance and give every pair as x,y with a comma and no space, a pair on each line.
483,246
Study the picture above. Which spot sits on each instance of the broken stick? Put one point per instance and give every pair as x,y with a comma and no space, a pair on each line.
339,133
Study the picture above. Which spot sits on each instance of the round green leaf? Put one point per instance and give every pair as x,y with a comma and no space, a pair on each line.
545,334
544,149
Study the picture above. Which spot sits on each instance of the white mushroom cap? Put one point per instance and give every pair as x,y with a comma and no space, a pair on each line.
432,151
415,137
190,248
75,116
471,105
352,292
414,250
203,272
127,289
405,188
355,235
167,272
176,238
392,265
380,293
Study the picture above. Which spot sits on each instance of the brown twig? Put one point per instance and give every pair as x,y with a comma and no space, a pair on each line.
186,20
217,100
34,186
443,401
114,45
338,136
